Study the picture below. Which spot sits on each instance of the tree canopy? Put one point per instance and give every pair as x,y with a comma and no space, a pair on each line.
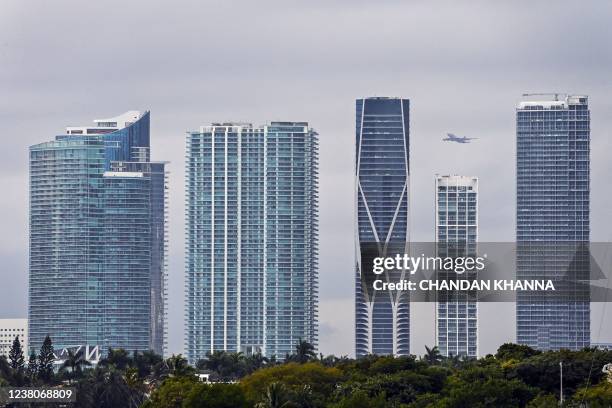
516,376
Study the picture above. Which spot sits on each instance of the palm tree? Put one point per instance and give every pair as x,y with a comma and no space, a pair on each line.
109,387
86,390
178,366
255,362
75,362
344,359
275,397
304,397
136,386
304,351
145,362
453,360
159,373
225,365
213,361
331,360
432,355
236,365
119,358
115,392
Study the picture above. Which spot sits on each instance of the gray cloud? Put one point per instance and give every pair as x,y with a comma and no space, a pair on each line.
464,65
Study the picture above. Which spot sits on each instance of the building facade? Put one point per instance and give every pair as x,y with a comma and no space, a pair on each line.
456,229
552,215
382,325
251,238
602,345
9,329
98,238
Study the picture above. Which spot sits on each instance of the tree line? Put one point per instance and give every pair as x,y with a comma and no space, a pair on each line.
516,376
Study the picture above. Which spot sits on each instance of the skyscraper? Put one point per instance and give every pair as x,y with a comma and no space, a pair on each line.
552,215
252,238
456,229
98,238
382,325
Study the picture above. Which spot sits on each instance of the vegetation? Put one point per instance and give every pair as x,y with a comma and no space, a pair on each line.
516,376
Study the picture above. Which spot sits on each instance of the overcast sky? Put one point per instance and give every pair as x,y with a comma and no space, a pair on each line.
463,65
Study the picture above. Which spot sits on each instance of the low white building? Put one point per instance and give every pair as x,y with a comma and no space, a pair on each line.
602,346
9,328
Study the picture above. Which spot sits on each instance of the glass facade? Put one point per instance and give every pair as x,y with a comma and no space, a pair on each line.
252,238
553,171
382,325
98,238
456,231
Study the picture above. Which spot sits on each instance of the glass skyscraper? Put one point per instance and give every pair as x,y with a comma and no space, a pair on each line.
382,325
552,216
98,238
456,230
251,238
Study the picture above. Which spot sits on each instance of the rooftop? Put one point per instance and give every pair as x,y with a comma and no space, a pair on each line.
551,100
106,125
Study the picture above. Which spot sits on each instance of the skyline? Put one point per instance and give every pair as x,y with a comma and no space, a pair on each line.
71,128
454,86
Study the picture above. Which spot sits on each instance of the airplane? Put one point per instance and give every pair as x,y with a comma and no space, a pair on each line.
459,139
